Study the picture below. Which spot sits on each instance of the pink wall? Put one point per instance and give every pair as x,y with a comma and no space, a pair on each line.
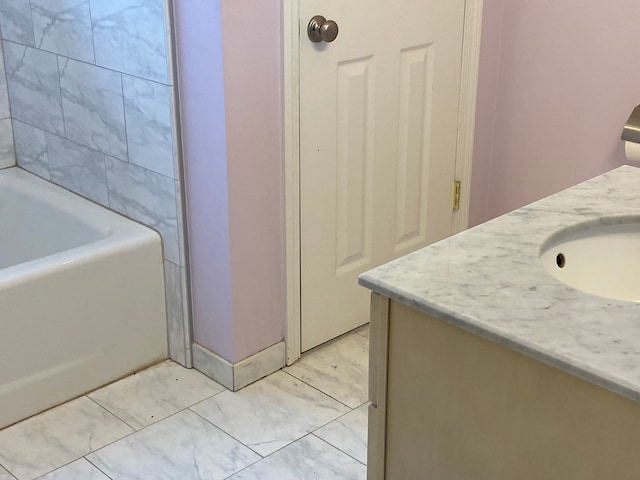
253,95
230,84
199,62
557,82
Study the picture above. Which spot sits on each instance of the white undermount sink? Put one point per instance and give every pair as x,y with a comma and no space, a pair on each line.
600,257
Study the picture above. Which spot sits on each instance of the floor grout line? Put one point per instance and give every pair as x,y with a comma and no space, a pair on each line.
338,448
312,432
317,389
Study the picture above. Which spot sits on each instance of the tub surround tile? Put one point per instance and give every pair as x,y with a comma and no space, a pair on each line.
15,21
348,433
180,447
93,107
339,369
130,37
309,457
272,413
78,470
175,317
77,168
149,127
34,87
5,111
147,197
31,149
54,438
213,366
155,393
63,27
4,475
7,150
235,376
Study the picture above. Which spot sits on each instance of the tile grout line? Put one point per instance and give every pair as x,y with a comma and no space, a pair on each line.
317,389
231,436
339,449
98,468
111,413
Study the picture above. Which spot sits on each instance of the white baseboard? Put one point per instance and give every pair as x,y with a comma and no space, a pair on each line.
235,376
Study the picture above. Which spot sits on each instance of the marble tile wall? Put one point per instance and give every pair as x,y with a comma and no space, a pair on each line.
90,91
7,148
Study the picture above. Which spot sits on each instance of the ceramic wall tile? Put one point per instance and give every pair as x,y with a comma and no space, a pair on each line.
31,149
155,393
130,37
184,446
34,87
7,150
56,437
5,111
78,470
348,433
340,369
15,21
272,413
93,107
175,316
309,457
63,27
78,168
147,197
149,128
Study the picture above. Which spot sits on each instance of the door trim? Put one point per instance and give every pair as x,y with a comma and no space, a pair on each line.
291,113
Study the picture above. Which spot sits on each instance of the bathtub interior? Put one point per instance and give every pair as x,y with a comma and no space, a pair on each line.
28,237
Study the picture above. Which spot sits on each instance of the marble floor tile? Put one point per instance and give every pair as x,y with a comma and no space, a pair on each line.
4,475
348,433
54,438
307,458
155,393
271,413
338,369
78,470
184,446
364,331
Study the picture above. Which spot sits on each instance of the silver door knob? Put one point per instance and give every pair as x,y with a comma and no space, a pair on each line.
322,30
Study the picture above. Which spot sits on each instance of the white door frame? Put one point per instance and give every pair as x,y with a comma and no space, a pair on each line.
291,112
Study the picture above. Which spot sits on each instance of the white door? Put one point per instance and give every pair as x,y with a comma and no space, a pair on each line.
378,129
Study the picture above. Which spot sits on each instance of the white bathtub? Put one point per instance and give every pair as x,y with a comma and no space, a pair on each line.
81,296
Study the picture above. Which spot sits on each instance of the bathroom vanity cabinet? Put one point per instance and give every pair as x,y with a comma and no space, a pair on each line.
449,405
485,367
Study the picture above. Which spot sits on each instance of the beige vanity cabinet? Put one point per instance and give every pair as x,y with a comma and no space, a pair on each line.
447,404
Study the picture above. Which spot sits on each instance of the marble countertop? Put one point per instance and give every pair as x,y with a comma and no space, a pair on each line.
489,281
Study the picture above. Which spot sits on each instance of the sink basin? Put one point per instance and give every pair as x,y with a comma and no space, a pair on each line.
599,257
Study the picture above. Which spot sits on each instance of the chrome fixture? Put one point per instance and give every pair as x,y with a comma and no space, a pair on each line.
322,30
631,131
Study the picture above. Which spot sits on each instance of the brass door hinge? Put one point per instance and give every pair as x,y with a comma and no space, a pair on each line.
456,195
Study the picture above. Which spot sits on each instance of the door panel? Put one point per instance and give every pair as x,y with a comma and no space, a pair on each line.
378,130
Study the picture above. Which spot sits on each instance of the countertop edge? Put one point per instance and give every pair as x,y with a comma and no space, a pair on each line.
536,352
